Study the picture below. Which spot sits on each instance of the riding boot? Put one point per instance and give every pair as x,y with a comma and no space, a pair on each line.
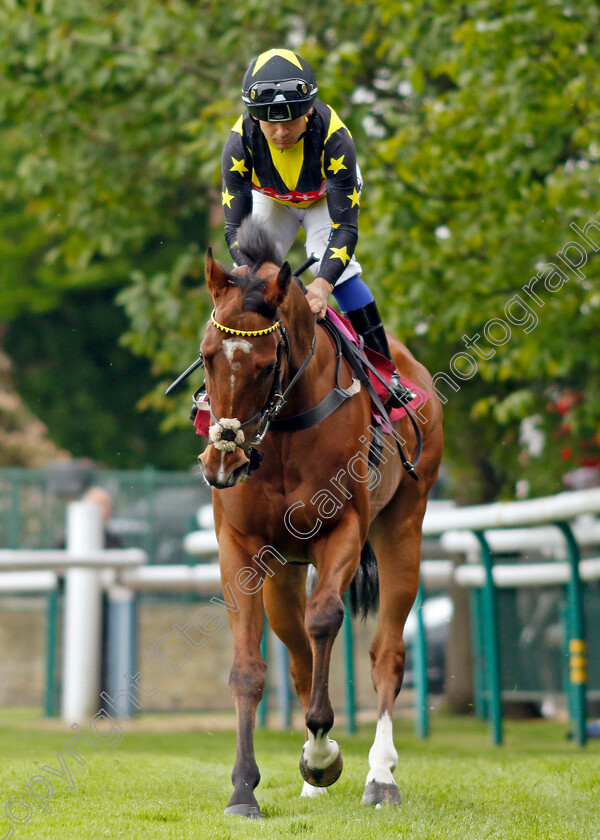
367,322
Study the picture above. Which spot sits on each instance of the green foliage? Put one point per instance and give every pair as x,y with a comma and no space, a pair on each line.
488,152
74,373
477,128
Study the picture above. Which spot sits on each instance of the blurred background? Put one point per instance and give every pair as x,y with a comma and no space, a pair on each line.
477,128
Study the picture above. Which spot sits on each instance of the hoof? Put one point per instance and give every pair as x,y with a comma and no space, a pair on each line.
379,793
325,777
251,812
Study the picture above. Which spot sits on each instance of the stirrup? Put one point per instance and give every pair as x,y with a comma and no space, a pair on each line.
399,395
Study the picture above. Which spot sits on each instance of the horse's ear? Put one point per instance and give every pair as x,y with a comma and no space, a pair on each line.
216,279
278,288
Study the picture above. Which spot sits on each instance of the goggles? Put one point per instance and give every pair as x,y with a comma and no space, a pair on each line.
263,93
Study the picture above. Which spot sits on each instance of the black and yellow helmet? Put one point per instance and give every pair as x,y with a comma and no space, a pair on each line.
278,86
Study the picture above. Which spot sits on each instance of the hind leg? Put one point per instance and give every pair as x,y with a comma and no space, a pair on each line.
285,605
396,539
336,557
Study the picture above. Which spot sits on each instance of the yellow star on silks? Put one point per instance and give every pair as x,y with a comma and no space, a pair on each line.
239,166
335,164
340,254
227,198
335,225
355,197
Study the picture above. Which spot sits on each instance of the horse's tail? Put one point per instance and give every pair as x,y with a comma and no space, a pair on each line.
363,592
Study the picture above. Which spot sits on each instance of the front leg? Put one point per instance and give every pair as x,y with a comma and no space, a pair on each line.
336,557
247,676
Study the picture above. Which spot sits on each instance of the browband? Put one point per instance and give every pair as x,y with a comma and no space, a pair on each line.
267,330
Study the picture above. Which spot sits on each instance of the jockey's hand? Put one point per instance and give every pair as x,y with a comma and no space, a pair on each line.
317,294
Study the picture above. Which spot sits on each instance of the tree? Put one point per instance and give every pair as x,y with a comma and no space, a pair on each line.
487,115
24,441
476,125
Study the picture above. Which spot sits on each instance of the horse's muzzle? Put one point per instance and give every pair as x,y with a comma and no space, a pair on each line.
224,469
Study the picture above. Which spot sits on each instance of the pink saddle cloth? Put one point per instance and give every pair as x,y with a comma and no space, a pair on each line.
382,365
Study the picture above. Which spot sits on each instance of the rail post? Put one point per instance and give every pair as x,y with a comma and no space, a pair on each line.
263,706
490,629
82,625
284,697
481,704
121,650
51,689
349,658
420,666
576,639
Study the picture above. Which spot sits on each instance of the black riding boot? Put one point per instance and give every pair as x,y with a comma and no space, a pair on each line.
367,322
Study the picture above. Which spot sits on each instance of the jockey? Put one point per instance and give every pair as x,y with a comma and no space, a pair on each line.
291,161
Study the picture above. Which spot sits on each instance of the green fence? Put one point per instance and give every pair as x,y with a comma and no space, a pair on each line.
528,643
152,510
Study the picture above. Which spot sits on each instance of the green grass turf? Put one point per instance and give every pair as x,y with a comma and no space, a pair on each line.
175,784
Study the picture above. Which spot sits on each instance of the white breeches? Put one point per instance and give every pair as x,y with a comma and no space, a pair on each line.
285,220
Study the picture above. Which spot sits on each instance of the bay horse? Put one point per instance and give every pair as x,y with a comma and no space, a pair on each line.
312,500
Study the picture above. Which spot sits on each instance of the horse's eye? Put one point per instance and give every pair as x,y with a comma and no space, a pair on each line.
266,371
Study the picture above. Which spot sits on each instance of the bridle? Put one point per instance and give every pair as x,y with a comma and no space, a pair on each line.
227,433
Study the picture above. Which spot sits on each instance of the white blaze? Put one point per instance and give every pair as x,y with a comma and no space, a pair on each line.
230,346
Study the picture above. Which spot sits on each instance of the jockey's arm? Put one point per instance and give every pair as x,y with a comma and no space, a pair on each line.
343,198
237,189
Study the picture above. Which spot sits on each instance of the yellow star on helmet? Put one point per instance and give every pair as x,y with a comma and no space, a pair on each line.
227,198
335,164
355,197
239,166
340,254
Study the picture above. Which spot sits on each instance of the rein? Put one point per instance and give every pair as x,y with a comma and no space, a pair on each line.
227,434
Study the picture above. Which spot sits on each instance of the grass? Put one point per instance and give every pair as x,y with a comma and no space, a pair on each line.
175,784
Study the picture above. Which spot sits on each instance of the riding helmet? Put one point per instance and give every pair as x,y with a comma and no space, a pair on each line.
278,86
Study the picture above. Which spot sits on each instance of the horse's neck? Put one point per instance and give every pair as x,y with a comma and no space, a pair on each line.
301,332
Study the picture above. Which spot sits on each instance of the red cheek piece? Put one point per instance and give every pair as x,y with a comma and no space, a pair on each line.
202,422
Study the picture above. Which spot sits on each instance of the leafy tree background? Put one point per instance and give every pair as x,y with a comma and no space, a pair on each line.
477,129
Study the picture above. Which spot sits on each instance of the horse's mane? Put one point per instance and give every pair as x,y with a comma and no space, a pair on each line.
257,246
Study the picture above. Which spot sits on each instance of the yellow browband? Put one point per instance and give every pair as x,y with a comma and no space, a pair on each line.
243,332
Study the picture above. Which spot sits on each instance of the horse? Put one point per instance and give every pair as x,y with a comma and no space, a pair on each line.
312,500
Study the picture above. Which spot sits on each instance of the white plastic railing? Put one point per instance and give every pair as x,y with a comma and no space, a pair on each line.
60,560
84,564
563,506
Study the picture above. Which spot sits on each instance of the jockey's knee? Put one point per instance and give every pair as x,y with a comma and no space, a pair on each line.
352,294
